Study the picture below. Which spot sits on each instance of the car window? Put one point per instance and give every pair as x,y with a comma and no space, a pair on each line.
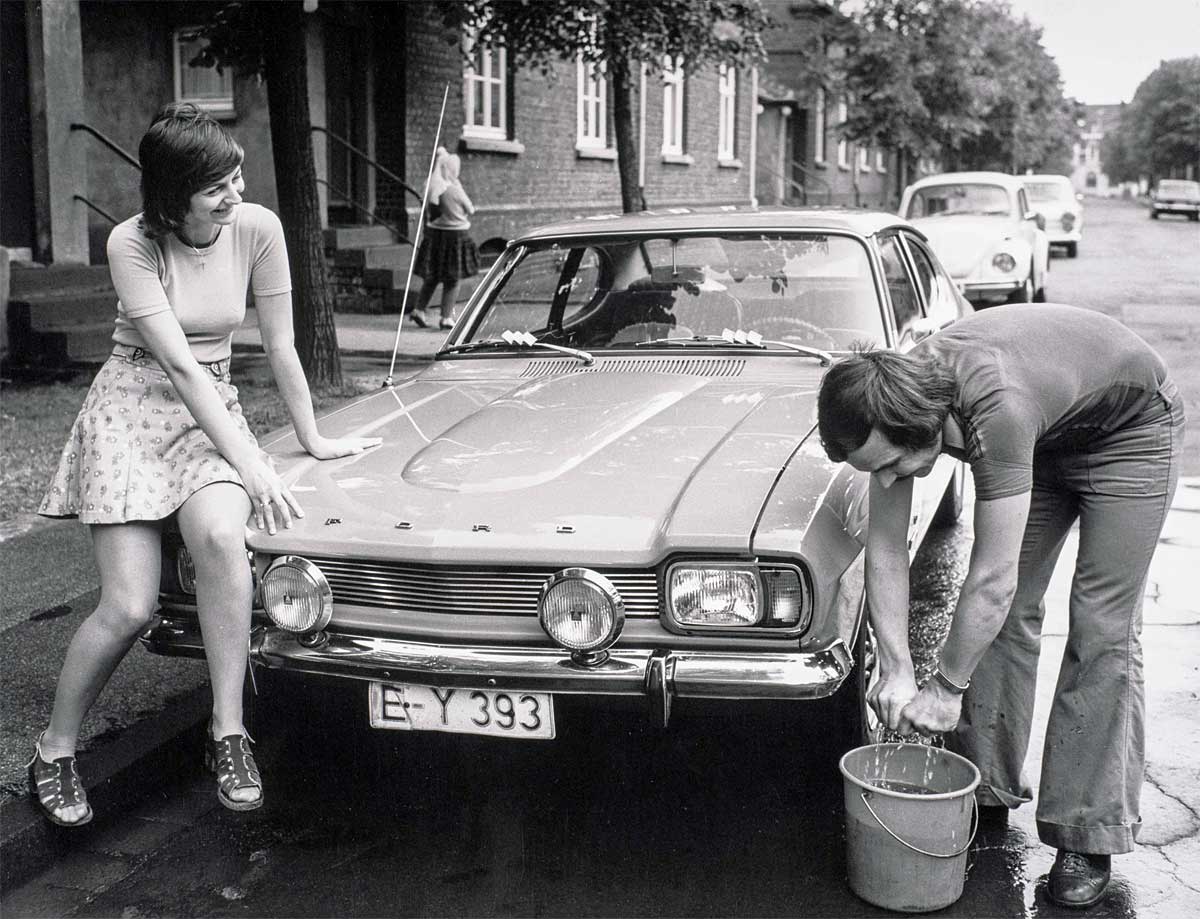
1180,189
941,301
959,198
1049,192
906,305
803,288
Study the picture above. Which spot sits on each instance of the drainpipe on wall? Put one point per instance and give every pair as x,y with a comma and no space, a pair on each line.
314,39
754,110
642,138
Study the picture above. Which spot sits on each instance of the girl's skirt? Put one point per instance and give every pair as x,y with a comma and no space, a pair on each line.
446,255
135,452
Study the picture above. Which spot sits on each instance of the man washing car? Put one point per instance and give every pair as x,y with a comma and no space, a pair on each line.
1065,416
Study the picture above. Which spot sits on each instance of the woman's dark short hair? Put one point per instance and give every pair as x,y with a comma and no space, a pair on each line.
183,151
906,397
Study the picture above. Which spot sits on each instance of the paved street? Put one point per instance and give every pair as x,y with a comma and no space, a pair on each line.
722,815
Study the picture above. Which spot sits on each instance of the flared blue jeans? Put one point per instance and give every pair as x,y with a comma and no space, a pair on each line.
1118,490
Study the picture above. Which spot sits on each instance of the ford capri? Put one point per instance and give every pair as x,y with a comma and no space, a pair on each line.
606,487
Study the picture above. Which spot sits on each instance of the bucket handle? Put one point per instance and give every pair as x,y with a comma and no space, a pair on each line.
909,845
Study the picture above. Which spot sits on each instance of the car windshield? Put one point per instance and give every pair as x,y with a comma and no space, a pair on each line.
1049,191
960,198
1179,189
809,290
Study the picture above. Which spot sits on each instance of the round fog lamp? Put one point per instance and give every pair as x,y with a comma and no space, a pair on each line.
581,611
296,595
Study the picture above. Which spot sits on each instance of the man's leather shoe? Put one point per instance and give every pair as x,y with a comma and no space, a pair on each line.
1078,879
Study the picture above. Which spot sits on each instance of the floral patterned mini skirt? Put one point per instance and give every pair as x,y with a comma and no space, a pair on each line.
135,452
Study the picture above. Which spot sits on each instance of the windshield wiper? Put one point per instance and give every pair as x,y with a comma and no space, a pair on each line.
740,339
518,340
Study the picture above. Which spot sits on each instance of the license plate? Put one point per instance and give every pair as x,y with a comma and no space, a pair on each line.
408,707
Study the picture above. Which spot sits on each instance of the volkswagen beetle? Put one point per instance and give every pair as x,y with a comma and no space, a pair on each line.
607,484
986,233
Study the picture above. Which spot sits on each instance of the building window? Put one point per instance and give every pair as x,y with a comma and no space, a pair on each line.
591,118
864,159
673,96
726,113
485,93
208,88
880,161
819,127
843,147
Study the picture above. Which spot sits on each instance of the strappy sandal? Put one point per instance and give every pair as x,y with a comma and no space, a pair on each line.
57,785
230,758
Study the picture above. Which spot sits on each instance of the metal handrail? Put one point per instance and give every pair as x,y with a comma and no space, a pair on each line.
365,210
98,209
809,174
110,143
370,162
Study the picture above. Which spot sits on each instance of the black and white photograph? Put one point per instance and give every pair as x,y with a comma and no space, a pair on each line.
599,458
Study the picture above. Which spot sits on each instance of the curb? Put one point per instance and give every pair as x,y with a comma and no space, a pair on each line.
401,356
118,775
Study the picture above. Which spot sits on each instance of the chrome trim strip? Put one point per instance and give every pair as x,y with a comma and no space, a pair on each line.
718,674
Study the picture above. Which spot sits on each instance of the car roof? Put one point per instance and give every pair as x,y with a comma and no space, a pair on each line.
725,219
992,178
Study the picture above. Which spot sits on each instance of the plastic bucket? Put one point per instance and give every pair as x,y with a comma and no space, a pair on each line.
909,824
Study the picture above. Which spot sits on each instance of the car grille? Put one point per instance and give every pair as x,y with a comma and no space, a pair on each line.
439,589
687,366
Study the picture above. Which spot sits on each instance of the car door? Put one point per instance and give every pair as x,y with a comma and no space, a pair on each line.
1039,242
909,314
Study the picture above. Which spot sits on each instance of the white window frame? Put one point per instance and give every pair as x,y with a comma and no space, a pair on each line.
674,91
880,160
864,159
843,146
726,113
492,85
591,109
819,148
218,106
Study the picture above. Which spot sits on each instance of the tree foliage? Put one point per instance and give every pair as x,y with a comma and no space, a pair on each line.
1159,132
268,39
960,80
619,34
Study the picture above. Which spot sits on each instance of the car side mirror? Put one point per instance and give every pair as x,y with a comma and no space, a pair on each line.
1039,219
918,330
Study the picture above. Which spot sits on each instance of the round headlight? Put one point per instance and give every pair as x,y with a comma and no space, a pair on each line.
1004,262
1068,221
296,595
581,610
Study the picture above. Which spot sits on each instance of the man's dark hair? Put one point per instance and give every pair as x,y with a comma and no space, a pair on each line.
183,151
906,397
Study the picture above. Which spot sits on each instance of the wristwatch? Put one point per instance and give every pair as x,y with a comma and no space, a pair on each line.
949,684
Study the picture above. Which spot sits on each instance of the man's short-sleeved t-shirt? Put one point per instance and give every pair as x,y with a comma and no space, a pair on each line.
1037,379
205,288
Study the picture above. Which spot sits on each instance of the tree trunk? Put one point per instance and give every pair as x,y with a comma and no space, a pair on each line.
286,72
621,74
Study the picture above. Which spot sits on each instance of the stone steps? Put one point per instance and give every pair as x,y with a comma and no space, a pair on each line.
60,315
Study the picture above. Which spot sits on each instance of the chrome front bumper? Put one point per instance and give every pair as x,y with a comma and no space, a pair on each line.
656,674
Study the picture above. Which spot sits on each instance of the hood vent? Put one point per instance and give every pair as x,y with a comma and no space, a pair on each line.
687,366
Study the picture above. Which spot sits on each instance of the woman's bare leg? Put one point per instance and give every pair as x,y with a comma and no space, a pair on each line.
128,559
213,523
449,298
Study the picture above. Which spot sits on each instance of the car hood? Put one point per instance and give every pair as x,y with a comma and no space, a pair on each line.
961,242
615,468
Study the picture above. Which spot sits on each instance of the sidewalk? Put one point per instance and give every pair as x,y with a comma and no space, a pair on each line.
361,334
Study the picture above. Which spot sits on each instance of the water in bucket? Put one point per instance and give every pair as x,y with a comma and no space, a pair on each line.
909,823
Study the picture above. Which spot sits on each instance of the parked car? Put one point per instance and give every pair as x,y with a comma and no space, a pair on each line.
1176,196
1055,198
986,233
607,484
